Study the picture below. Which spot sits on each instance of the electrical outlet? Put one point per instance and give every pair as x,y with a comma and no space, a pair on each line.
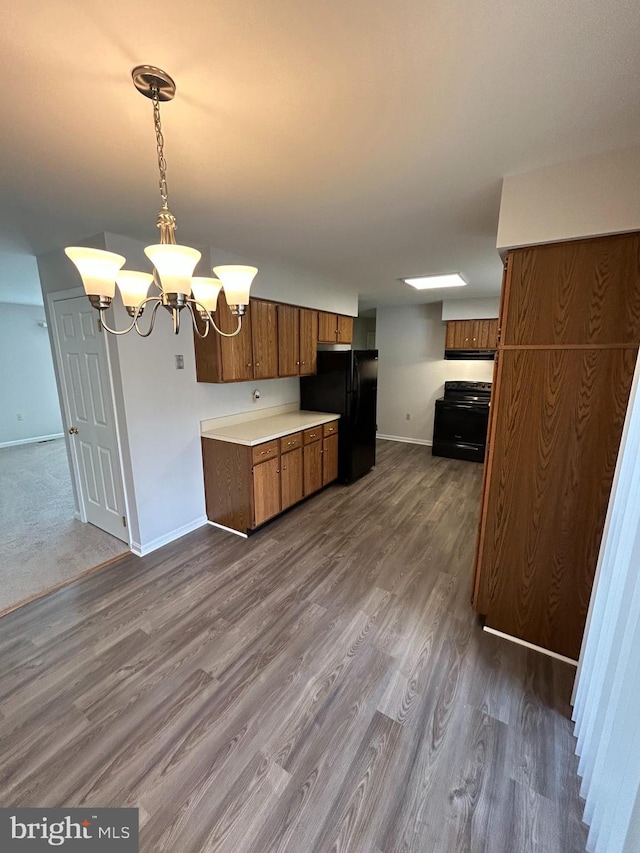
179,362
408,416
19,416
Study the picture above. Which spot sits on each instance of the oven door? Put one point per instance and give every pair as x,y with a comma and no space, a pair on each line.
460,430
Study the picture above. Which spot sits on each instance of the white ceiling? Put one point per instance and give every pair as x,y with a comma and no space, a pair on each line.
362,139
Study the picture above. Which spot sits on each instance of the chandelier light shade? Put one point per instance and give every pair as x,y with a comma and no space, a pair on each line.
134,287
205,292
98,269
236,280
173,265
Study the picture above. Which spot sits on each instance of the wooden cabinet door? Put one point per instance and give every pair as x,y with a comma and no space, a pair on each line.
327,328
579,292
308,341
329,459
555,435
236,354
450,342
266,491
291,477
345,329
264,334
312,467
288,340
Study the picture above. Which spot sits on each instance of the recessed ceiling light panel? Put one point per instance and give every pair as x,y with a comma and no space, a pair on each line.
426,282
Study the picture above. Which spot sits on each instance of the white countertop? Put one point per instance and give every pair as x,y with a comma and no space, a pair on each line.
256,431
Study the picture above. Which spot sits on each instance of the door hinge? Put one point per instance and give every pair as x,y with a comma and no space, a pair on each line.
506,263
124,521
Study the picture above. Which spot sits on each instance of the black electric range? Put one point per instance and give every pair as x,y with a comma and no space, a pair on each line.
461,421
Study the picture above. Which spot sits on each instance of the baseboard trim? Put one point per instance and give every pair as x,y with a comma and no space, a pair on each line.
31,440
425,442
227,529
64,583
528,645
141,550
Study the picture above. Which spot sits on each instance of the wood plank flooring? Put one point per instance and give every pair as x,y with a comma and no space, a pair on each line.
323,686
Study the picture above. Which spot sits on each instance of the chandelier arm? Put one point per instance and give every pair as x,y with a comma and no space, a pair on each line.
152,322
210,319
135,317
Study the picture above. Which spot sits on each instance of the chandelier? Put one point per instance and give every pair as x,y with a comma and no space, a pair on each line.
173,264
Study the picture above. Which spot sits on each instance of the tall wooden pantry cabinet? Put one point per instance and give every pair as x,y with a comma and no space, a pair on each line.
569,336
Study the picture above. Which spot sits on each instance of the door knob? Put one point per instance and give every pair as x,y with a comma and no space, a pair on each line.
73,430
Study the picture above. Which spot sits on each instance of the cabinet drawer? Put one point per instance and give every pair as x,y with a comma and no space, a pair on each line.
264,451
290,442
330,429
311,435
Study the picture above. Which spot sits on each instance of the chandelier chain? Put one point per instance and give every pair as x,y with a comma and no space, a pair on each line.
162,163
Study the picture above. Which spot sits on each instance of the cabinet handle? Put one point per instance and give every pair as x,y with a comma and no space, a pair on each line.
248,364
277,470
284,467
257,364
289,443
297,362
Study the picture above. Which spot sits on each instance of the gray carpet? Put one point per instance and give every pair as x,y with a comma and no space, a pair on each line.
41,543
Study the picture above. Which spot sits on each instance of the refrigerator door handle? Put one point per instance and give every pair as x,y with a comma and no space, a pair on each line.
356,391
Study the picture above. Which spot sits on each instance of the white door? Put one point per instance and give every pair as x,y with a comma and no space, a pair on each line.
89,410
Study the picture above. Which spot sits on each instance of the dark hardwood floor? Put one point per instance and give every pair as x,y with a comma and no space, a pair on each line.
322,686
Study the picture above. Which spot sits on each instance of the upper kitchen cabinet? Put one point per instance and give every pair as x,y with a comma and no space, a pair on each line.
308,341
334,328
472,335
264,339
573,293
297,341
288,340
220,359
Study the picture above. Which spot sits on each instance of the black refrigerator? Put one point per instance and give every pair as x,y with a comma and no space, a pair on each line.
346,383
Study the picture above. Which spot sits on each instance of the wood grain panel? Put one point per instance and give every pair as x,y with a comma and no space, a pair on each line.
266,491
329,459
451,335
583,291
227,483
308,341
330,428
312,468
264,334
291,473
312,434
288,341
345,329
327,327
554,453
236,352
266,450
290,442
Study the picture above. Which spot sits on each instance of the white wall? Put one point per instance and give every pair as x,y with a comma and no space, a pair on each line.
485,308
27,381
362,327
412,370
586,197
159,407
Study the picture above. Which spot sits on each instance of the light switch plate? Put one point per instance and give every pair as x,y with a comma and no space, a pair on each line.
179,362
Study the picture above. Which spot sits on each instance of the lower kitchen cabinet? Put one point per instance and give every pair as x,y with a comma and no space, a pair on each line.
312,456
266,491
245,486
291,473
329,459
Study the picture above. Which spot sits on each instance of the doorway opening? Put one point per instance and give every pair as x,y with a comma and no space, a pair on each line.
44,543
